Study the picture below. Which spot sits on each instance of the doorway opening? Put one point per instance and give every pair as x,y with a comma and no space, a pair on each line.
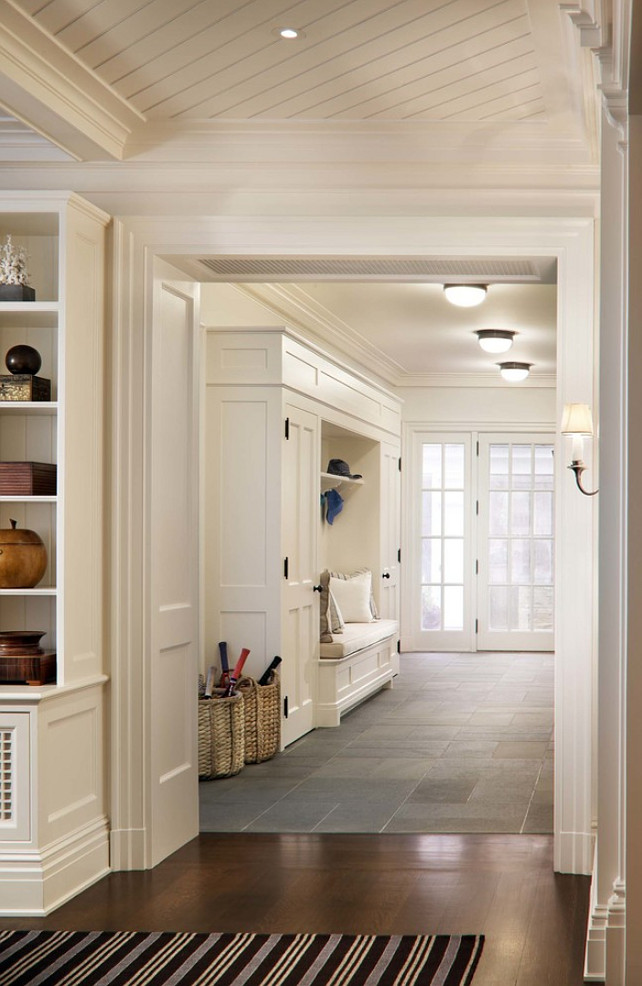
271,799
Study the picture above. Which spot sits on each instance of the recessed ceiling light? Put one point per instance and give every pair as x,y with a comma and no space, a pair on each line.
465,295
514,372
495,340
290,33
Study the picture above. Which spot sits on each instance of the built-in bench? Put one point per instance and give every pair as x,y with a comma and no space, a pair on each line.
359,662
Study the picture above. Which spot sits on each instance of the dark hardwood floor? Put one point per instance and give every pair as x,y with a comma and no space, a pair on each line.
500,885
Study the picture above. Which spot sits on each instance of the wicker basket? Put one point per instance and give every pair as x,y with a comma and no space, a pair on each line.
262,713
221,736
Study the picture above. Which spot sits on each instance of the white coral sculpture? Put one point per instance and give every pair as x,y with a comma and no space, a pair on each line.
13,263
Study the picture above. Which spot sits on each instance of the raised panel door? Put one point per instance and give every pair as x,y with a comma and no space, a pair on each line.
300,607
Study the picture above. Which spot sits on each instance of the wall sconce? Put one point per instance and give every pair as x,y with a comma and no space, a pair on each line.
578,422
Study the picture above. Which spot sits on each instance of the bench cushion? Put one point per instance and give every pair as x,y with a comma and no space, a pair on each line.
356,637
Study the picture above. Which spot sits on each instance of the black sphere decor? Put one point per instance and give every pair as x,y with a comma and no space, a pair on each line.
23,359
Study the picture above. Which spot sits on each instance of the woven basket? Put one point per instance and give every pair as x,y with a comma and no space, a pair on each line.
221,736
262,713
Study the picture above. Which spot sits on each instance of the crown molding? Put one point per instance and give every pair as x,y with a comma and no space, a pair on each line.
49,90
482,379
589,18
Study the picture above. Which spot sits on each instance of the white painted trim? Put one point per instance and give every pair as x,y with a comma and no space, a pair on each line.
52,92
571,241
36,883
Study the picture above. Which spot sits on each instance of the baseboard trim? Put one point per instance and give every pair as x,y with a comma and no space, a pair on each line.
36,883
574,852
128,849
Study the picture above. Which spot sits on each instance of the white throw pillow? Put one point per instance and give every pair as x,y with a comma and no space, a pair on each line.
352,596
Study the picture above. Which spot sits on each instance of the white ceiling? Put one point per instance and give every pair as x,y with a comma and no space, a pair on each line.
169,99
126,75
409,334
358,59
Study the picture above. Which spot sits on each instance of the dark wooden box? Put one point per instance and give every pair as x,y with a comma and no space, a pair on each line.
27,479
32,669
24,387
17,292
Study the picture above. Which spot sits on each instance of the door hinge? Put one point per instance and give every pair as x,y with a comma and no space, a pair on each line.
477,508
477,447
399,463
476,626
285,707
286,565
398,647
399,555
287,429
477,566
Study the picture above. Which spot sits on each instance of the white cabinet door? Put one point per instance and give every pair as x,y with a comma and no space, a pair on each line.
390,532
300,607
174,572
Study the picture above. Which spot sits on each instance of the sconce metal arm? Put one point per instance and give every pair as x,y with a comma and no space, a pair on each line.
578,468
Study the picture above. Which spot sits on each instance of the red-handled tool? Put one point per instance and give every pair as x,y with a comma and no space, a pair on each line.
236,673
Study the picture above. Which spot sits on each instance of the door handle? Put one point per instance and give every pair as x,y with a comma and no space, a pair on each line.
317,588
386,575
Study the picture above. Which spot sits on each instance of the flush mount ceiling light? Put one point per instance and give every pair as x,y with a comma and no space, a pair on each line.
514,372
465,295
495,340
289,33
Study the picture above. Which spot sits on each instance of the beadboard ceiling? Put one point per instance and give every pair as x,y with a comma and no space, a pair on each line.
151,69
362,59
174,98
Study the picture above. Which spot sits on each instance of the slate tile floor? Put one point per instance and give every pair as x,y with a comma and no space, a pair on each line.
462,743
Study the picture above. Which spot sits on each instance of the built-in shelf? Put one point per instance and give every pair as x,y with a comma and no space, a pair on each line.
29,307
30,407
28,499
44,591
330,481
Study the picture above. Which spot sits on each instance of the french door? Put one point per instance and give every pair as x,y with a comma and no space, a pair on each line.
516,543
444,603
484,555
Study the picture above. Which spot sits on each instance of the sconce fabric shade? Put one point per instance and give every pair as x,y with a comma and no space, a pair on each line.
577,420
495,340
514,372
465,295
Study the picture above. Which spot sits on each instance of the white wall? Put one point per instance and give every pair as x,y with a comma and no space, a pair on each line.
223,304
479,406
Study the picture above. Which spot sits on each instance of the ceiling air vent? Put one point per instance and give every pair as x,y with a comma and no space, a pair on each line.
480,270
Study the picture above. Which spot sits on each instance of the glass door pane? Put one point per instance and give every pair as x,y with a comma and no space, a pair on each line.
516,541
444,612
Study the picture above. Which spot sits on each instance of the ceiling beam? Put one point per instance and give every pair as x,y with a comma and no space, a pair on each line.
47,88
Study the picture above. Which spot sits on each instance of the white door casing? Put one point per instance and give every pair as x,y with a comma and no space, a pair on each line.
174,571
136,241
300,606
390,500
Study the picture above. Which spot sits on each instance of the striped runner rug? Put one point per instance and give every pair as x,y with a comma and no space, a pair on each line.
122,958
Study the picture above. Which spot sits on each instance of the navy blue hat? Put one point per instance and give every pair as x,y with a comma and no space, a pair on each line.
340,468
334,505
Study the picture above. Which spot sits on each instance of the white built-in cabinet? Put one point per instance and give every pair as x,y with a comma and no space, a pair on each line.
276,410
53,823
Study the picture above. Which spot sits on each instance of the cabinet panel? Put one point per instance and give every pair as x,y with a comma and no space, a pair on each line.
244,518
15,776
